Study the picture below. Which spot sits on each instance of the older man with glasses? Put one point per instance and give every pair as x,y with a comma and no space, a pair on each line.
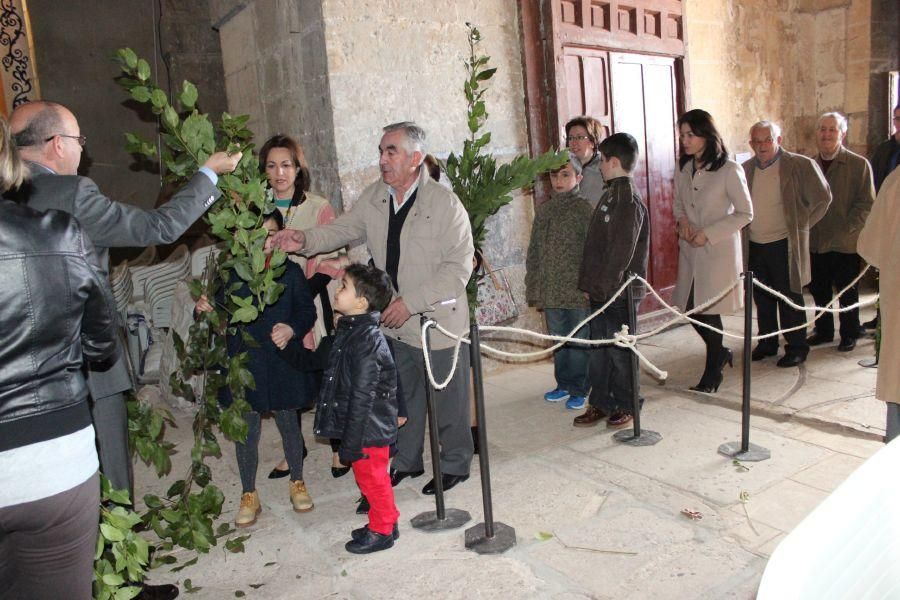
789,195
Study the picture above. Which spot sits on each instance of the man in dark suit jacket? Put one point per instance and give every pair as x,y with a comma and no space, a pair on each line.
49,138
789,195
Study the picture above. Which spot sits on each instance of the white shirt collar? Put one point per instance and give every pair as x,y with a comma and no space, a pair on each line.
412,189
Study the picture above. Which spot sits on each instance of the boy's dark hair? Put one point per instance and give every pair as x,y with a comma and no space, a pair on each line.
371,283
276,216
621,146
573,162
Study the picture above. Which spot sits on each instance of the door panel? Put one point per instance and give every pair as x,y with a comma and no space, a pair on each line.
643,91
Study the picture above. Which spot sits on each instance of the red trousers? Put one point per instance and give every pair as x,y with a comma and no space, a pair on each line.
375,484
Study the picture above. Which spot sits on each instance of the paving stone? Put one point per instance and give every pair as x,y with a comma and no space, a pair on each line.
783,505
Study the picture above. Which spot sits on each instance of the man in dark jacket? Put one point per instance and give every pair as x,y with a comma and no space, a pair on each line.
887,154
617,244
358,400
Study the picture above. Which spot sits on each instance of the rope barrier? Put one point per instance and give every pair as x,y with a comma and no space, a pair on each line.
623,338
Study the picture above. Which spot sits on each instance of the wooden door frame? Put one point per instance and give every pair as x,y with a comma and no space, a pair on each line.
542,58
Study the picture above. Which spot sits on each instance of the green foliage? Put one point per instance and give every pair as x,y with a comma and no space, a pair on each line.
482,185
185,515
120,560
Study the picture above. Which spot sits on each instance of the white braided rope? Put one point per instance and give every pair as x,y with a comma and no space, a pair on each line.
623,338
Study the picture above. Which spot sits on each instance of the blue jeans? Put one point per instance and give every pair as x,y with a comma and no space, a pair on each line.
570,363
611,368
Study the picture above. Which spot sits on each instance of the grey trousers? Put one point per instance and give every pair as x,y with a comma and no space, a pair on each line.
452,409
111,424
47,546
892,429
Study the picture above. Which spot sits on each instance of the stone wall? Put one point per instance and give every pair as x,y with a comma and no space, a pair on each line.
273,54
787,60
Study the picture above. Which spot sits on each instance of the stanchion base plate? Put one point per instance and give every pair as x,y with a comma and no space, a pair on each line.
647,438
868,363
753,454
504,538
453,519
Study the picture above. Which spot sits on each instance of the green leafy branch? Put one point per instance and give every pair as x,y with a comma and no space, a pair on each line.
186,514
121,557
483,186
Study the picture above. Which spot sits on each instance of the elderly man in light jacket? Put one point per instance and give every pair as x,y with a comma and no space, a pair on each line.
789,195
419,233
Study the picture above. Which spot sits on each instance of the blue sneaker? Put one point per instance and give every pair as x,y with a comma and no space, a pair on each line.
556,395
576,403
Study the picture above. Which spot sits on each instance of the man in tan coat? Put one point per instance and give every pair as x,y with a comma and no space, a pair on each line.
789,195
417,231
832,241
879,244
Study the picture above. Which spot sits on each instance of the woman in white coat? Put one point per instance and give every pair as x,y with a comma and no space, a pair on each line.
712,204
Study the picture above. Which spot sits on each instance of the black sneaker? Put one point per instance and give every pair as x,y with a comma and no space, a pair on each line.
357,534
369,542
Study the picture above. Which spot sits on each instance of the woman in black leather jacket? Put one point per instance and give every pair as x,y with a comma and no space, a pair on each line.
56,312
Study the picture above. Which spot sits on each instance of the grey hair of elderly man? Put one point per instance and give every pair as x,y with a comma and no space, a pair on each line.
841,120
415,135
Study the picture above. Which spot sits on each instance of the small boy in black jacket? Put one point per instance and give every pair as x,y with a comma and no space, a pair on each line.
358,400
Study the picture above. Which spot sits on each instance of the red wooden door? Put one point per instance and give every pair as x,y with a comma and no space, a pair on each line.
644,105
635,94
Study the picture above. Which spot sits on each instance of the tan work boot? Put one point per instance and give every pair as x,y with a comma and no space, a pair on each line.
300,498
248,510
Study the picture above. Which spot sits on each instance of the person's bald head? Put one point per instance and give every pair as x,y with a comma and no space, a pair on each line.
47,133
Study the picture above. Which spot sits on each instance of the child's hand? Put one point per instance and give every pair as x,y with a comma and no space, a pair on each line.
203,305
281,335
401,421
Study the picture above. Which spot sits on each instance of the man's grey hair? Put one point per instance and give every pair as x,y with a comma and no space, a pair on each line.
46,123
774,129
415,135
841,120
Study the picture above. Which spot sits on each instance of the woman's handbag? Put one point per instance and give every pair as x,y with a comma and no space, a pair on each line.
496,303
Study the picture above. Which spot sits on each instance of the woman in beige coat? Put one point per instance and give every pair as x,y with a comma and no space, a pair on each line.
879,244
712,204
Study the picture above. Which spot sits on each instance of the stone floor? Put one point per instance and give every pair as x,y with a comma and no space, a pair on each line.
593,518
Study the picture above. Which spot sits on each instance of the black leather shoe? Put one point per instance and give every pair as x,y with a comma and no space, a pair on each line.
398,476
847,344
369,542
760,353
449,482
357,534
277,473
790,360
363,508
817,339
166,591
339,471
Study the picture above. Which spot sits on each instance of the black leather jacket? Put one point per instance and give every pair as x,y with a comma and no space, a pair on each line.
358,400
56,311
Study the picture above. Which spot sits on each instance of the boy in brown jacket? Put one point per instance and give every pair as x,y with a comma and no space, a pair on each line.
618,242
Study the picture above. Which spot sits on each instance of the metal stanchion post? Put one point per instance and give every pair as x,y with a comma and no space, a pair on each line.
745,450
441,518
635,437
488,537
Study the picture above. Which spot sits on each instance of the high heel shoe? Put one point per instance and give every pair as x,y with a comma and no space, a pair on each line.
339,471
709,387
710,382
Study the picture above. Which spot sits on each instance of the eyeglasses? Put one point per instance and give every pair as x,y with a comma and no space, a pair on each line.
577,138
82,140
